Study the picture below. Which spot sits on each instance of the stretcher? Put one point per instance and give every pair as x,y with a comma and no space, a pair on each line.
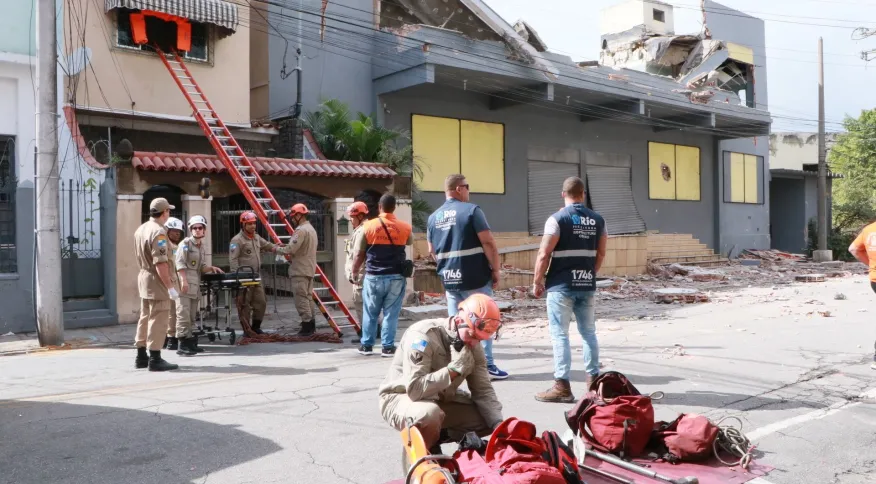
227,284
423,468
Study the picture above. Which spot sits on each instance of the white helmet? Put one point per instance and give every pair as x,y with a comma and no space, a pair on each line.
174,223
197,219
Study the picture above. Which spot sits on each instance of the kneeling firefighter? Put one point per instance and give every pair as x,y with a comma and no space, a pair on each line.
191,262
435,356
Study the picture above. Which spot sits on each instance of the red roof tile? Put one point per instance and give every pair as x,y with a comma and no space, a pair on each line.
198,163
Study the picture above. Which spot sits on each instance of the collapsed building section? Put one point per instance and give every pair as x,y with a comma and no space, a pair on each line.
640,35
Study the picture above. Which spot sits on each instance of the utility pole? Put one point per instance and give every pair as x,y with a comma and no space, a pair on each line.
49,313
822,254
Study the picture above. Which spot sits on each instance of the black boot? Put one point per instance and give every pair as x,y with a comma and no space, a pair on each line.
257,326
158,364
173,343
185,347
194,346
142,360
307,328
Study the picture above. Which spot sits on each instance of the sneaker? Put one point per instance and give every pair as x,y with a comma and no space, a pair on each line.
388,352
365,350
496,373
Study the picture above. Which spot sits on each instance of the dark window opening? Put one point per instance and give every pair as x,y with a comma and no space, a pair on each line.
659,15
164,34
8,187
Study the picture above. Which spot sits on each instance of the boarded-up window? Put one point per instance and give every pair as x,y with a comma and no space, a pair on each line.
673,172
743,175
446,145
436,149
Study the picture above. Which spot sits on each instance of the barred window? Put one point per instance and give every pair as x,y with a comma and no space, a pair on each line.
8,185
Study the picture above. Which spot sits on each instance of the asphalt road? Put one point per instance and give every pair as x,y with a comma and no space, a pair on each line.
308,413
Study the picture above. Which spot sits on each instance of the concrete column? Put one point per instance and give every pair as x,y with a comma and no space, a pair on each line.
195,205
339,206
403,210
128,213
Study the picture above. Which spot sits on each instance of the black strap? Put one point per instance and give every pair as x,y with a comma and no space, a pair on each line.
386,230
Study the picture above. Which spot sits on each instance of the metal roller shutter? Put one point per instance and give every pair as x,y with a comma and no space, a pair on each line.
611,194
545,184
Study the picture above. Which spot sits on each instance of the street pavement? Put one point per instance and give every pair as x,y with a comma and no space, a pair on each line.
800,380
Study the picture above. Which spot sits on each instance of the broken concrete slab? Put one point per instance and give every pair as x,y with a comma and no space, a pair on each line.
810,278
670,295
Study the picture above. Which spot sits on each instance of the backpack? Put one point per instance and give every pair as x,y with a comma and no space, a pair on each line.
688,438
614,417
514,455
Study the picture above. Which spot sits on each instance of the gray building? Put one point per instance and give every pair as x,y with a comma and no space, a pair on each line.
670,131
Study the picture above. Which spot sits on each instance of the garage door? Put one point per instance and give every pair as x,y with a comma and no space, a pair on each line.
545,189
611,194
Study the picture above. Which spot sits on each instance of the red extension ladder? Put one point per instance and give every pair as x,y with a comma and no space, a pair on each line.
249,182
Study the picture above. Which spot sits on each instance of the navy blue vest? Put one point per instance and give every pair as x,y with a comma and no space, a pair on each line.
462,264
573,262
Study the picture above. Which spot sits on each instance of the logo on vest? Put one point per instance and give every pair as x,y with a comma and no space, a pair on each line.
445,219
582,275
583,227
451,275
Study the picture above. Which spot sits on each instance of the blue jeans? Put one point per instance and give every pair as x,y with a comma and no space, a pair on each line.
560,307
456,297
386,293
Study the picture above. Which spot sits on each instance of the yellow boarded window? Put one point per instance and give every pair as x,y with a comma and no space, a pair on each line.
443,146
744,175
661,171
483,156
436,149
673,172
687,173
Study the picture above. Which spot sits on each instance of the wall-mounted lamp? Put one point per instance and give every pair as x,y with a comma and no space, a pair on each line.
343,226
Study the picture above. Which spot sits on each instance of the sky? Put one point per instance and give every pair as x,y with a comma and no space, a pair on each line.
571,27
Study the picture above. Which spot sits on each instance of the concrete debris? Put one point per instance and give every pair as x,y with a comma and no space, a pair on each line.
840,296
771,255
681,295
810,278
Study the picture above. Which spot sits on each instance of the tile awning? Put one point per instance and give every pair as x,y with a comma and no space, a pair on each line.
217,12
200,163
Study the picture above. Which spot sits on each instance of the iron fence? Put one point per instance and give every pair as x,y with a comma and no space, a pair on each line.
8,187
80,206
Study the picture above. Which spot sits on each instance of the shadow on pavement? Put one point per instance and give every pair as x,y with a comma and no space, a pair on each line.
247,369
47,442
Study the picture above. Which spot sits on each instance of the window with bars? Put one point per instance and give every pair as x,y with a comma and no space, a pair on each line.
164,34
8,185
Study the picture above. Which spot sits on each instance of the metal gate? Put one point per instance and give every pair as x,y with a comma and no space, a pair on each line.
609,183
81,258
545,185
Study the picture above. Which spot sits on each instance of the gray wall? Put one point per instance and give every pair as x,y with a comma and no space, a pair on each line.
743,226
338,67
529,125
16,290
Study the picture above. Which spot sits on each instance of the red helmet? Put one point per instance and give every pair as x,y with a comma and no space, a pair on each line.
357,208
480,314
247,217
299,208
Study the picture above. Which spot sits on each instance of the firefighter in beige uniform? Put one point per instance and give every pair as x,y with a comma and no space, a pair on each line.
191,262
358,213
426,372
155,286
302,266
246,251
174,228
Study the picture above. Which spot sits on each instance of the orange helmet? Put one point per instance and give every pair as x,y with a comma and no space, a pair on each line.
299,208
357,208
247,217
480,314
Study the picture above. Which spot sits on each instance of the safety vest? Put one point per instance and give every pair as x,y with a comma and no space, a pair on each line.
573,263
462,264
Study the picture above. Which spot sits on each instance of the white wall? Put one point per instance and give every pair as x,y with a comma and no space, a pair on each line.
17,110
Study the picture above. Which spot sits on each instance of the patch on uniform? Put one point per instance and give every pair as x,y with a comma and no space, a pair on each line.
184,247
162,242
419,345
248,251
233,246
162,251
416,357
194,263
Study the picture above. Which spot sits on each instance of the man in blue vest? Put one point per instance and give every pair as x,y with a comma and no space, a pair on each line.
461,243
574,245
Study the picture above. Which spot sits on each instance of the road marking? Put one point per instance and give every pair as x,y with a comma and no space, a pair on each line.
759,480
806,417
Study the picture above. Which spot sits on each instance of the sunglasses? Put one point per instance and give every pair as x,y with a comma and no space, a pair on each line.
199,227
466,186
